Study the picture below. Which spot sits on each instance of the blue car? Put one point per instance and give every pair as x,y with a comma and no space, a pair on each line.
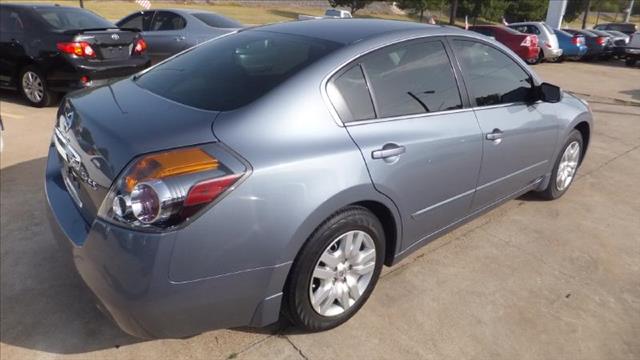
573,46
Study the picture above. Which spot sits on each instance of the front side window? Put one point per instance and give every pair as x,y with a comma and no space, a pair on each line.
412,79
166,21
492,76
141,21
232,71
10,21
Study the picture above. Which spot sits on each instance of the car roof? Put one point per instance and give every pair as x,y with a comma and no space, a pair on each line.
348,31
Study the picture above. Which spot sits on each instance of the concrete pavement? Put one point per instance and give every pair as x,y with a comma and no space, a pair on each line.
530,280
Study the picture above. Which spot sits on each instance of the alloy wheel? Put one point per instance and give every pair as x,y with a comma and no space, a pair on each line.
33,86
343,273
568,166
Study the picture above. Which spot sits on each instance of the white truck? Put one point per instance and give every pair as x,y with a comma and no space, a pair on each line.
329,14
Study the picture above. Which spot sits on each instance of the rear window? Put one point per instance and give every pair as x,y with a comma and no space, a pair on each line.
234,70
217,21
62,18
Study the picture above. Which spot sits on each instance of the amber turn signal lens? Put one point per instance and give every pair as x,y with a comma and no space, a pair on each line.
170,163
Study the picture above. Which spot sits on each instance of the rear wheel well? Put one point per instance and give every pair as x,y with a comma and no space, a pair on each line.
388,224
583,127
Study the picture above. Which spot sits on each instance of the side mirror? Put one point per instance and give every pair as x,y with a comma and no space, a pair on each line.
549,93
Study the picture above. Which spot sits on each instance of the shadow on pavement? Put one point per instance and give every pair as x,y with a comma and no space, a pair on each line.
14,97
44,304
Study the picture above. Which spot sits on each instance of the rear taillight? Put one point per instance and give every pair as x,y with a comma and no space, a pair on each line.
601,40
530,40
164,190
79,48
140,48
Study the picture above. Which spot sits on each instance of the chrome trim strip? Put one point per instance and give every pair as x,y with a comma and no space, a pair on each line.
71,190
406,117
510,175
487,107
427,209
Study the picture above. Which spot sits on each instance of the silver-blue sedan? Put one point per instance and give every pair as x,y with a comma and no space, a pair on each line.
277,169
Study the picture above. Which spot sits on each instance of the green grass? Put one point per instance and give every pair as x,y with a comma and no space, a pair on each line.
250,15
264,14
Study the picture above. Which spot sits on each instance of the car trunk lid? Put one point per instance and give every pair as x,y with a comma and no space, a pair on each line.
111,125
109,43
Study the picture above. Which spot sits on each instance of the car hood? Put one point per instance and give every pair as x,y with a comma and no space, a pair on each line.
113,124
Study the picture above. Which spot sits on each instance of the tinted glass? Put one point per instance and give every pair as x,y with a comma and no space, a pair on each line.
412,79
72,18
141,22
215,20
165,21
10,21
234,70
355,102
492,76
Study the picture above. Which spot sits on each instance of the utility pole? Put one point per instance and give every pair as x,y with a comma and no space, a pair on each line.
82,3
586,14
628,11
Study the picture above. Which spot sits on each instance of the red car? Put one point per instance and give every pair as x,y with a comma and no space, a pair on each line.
525,45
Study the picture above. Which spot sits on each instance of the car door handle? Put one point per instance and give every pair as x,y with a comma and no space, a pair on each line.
180,38
387,151
495,135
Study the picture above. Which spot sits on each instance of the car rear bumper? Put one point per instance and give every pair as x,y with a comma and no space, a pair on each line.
128,273
574,52
68,78
551,53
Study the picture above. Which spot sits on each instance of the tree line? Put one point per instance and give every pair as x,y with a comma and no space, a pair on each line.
497,10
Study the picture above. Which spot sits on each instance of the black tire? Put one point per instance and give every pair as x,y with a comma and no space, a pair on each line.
533,61
297,305
48,97
630,62
552,192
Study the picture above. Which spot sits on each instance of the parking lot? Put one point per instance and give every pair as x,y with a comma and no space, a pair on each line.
530,280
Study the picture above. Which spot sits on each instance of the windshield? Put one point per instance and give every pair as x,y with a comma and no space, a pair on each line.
218,21
63,18
233,70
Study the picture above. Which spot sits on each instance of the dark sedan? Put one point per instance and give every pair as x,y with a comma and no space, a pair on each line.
172,30
48,49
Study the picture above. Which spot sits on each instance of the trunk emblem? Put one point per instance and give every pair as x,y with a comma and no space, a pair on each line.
115,36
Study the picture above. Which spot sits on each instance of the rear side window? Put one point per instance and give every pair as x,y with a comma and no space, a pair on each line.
412,79
233,70
217,21
166,21
351,97
64,18
492,76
